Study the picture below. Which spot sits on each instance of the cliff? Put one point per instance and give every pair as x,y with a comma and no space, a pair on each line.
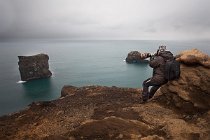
34,67
180,110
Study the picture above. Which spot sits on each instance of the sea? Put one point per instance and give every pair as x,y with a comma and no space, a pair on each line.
77,63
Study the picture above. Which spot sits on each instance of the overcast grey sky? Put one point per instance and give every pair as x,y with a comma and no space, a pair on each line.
105,19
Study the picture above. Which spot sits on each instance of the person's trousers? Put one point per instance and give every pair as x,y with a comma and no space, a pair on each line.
149,94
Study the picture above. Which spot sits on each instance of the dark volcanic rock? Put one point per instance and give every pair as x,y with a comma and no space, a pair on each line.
135,57
34,67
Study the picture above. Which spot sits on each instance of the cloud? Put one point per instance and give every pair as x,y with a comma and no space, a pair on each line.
105,19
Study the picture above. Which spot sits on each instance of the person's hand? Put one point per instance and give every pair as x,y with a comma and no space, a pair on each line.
152,57
149,55
144,55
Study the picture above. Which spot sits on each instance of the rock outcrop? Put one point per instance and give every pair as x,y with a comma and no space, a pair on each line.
180,110
34,67
191,92
135,57
194,57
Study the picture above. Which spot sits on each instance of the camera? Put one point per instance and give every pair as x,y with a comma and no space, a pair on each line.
161,48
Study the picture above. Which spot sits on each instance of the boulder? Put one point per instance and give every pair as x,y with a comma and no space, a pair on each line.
34,67
135,57
191,92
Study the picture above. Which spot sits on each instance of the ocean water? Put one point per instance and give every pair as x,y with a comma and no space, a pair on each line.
77,63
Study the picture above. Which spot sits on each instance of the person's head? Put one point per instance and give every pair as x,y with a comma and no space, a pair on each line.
161,49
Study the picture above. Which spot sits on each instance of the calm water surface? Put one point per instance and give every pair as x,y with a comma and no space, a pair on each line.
77,63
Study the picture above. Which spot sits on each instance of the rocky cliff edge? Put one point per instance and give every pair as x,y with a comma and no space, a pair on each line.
179,110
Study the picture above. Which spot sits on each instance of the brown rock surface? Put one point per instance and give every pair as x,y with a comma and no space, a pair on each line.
34,67
193,57
191,92
180,110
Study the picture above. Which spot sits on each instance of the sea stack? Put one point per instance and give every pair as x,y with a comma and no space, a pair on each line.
34,67
135,57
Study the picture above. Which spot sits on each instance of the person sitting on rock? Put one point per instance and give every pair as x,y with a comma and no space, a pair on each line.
157,62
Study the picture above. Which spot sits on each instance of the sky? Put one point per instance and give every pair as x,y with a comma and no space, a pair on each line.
105,19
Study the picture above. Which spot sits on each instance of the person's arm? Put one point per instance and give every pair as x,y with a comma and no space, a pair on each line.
155,62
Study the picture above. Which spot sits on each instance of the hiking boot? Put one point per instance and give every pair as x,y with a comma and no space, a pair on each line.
144,100
150,96
145,97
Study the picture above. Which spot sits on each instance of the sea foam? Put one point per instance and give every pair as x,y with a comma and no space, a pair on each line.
20,82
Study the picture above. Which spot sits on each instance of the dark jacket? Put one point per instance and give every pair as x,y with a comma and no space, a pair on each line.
157,63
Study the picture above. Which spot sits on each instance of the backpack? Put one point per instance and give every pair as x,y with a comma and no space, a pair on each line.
172,67
172,70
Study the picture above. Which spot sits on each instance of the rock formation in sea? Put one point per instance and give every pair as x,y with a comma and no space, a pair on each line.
180,110
34,67
135,57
